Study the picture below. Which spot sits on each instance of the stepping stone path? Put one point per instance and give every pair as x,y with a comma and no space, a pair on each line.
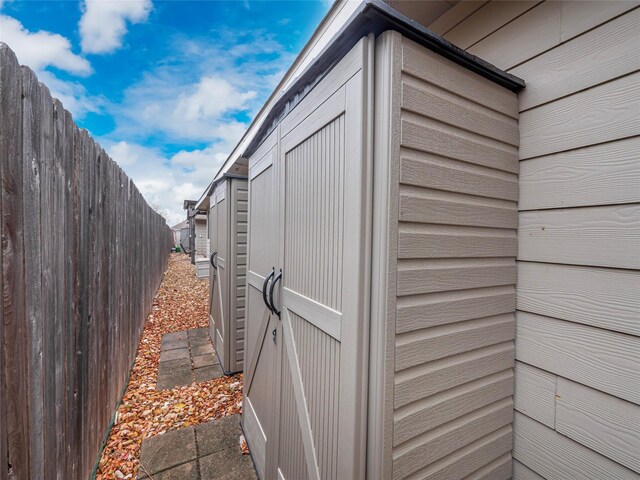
186,357
209,451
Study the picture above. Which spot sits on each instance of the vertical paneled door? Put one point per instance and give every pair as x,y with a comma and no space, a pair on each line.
219,226
308,284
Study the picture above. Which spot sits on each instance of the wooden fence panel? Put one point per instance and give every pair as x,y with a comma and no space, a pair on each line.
4,448
82,256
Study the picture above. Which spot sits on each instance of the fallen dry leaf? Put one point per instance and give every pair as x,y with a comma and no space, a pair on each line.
180,304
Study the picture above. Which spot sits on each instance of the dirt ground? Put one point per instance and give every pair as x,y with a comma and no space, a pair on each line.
181,303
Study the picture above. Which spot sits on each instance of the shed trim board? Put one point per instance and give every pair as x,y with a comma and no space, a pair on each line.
227,282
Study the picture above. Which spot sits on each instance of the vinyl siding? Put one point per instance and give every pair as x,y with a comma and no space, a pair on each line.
239,233
577,325
454,270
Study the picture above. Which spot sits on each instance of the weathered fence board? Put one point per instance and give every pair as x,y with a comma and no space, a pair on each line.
82,256
31,160
13,295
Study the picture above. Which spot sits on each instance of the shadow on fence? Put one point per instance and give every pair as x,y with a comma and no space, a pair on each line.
82,256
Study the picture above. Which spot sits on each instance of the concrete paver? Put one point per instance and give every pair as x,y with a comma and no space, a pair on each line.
205,374
201,349
178,378
186,471
195,341
227,464
209,451
198,333
173,365
205,360
174,354
217,435
175,335
174,344
186,357
173,448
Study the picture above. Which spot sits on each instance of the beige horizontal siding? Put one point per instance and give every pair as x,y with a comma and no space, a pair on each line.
600,114
522,472
600,297
455,273
555,456
579,178
606,52
606,236
604,360
487,20
577,333
544,27
603,423
535,393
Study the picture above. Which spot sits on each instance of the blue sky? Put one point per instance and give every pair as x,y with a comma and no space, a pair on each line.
166,87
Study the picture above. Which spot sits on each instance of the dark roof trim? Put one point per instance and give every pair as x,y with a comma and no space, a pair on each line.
377,17
235,175
188,203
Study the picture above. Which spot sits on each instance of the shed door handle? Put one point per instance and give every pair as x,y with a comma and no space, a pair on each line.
213,264
264,289
273,285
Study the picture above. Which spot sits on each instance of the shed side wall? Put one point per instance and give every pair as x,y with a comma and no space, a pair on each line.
239,277
456,194
577,349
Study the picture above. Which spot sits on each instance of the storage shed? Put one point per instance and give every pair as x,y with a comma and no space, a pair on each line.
382,195
408,198
197,224
227,285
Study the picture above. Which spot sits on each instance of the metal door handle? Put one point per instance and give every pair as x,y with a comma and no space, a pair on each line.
213,255
264,288
273,285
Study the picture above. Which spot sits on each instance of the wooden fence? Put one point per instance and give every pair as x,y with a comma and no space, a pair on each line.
82,256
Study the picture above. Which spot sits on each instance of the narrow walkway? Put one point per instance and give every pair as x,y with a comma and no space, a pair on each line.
209,451
187,357
181,304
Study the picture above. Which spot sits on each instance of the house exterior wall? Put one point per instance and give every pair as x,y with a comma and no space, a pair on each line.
452,216
577,369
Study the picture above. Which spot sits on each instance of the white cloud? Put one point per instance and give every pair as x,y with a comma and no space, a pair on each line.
203,93
200,111
103,24
73,95
212,97
41,49
167,180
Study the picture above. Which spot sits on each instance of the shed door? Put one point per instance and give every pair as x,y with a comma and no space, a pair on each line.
222,279
323,190
305,403
213,238
260,348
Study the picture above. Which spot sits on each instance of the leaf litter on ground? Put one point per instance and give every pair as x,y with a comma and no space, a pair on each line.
181,303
